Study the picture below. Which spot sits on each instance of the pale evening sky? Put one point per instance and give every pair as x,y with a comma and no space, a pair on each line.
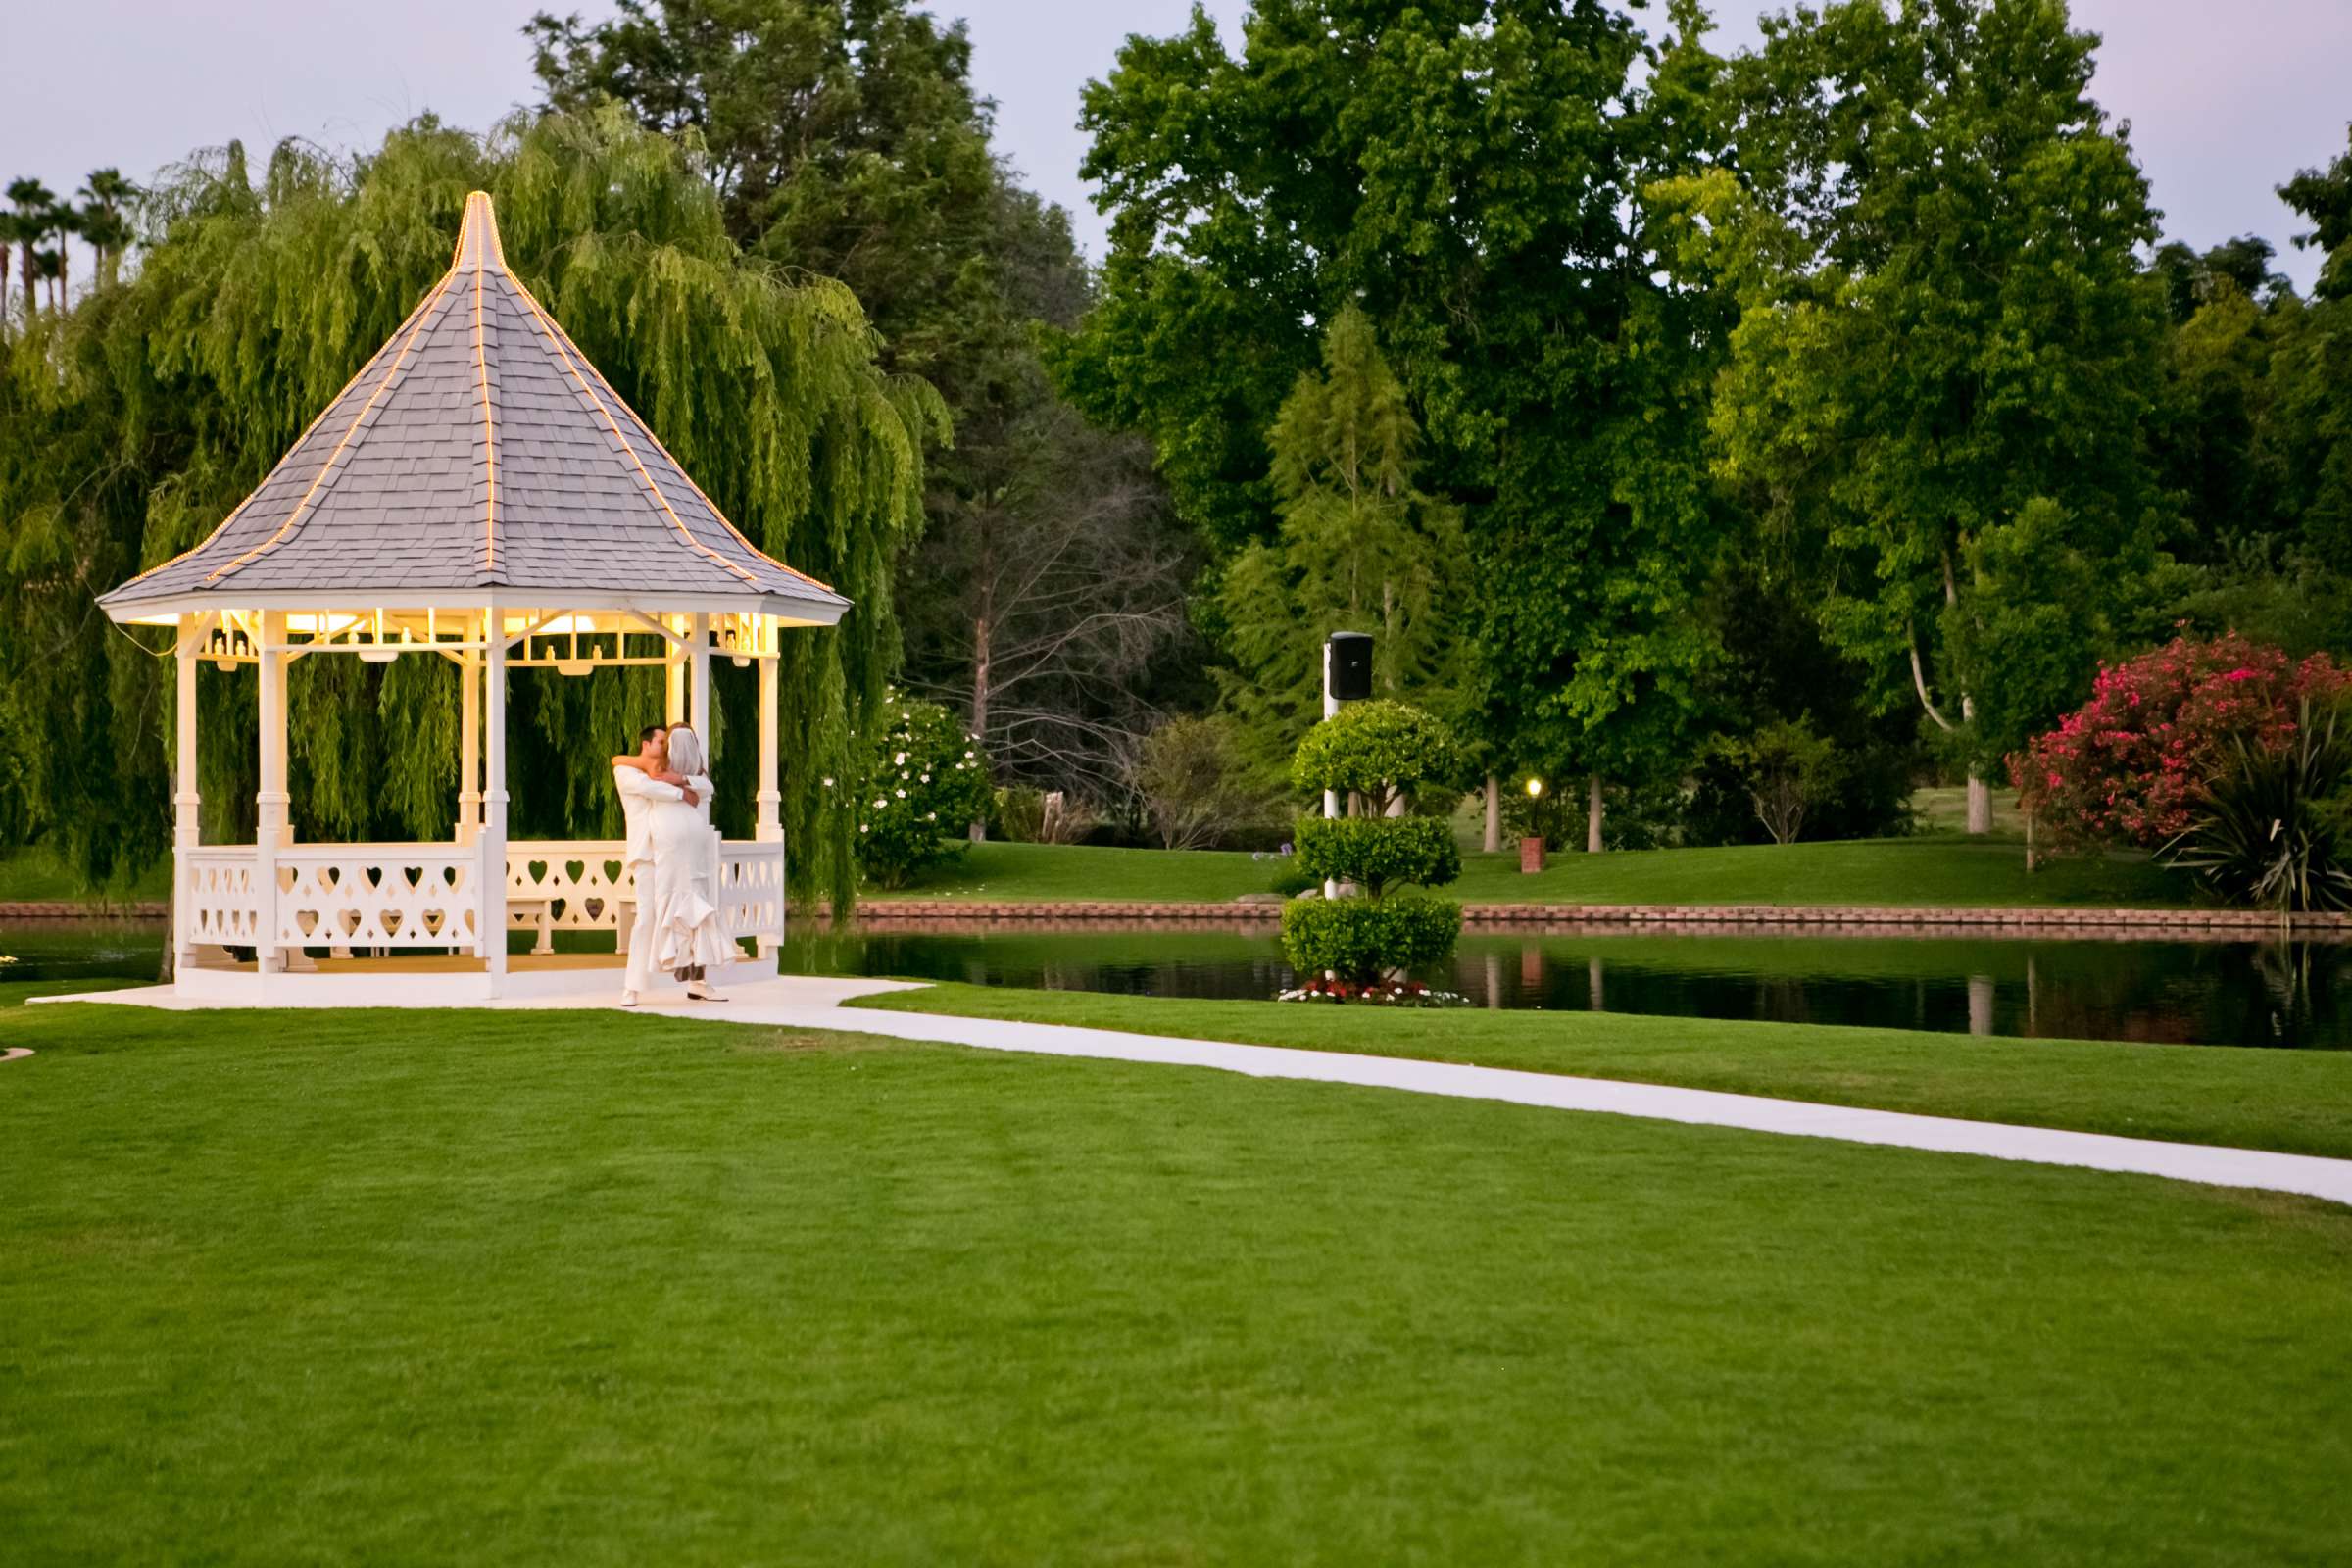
2225,101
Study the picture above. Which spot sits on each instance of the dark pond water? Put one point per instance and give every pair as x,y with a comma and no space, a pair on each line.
2247,994
2202,992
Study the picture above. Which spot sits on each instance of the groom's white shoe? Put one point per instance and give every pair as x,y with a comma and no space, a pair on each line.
704,990
628,999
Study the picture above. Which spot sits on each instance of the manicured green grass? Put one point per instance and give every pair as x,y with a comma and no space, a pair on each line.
2296,1100
1946,871
1930,869
598,1288
32,876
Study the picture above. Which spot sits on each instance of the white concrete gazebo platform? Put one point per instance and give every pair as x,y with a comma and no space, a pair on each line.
477,494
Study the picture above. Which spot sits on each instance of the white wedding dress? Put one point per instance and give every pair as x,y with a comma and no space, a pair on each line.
688,926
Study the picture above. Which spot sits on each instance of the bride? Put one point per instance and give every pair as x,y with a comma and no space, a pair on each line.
690,933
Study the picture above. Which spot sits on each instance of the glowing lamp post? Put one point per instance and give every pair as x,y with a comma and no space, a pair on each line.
1530,848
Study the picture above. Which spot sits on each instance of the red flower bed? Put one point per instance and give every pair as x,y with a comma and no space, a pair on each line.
2127,767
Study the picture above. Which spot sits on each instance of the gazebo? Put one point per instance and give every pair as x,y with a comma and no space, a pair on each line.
479,494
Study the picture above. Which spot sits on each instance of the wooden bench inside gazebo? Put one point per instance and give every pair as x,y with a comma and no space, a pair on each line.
479,495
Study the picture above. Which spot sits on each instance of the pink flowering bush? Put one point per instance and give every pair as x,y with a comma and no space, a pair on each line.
2130,764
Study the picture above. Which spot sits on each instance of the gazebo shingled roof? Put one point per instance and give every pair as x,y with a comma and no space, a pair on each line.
477,455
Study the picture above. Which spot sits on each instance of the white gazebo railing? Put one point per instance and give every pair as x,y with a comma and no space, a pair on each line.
217,902
388,896
404,898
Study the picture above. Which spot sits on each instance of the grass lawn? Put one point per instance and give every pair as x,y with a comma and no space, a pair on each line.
1937,869
32,876
598,1288
1931,868
2299,1101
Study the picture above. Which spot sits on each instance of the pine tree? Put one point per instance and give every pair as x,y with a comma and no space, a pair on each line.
1360,548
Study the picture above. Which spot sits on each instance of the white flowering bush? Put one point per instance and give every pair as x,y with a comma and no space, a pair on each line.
926,781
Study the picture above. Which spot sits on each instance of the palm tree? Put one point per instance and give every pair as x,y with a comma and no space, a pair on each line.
50,265
65,223
103,225
8,241
32,201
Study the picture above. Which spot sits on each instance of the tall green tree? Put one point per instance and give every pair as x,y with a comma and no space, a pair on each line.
846,139
2324,197
2312,370
1361,548
1468,174
1946,351
132,424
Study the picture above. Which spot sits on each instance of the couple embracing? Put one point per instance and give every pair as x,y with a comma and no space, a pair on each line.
665,797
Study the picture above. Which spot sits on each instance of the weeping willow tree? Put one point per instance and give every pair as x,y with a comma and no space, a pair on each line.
132,425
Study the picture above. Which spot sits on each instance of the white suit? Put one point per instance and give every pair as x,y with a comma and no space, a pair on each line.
638,795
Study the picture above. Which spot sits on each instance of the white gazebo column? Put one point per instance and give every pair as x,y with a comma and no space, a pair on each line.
673,710
698,670
186,802
470,747
271,800
770,829
493,918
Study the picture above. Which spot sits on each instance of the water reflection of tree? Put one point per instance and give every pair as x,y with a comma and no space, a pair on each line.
2294,975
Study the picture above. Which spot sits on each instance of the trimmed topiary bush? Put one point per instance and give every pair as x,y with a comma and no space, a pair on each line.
1362,939
1380,751
1375,755
1377,852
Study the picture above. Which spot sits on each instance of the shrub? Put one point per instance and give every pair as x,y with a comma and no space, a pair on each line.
1361,939
1377,852
925,783
1786,769
1021,812
1195,784
2266,831
1380,751
1376,754
2130,766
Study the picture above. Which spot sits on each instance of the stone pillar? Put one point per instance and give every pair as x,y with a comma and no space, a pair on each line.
1492,841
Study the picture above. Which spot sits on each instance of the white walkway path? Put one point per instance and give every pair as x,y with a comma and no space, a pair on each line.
815,1004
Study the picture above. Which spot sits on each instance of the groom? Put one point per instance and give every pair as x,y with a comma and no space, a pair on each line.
639,790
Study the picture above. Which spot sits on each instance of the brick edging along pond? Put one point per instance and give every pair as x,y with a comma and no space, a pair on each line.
67,909
2252,922
2148,922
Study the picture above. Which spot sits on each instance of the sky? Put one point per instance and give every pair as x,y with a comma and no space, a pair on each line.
2225,98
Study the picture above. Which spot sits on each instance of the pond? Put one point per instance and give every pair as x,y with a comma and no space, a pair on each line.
2184,992
2193,992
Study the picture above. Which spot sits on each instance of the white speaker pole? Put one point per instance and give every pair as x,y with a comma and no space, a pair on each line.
1331,797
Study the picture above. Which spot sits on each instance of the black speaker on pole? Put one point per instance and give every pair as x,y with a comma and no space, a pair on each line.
1350,661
